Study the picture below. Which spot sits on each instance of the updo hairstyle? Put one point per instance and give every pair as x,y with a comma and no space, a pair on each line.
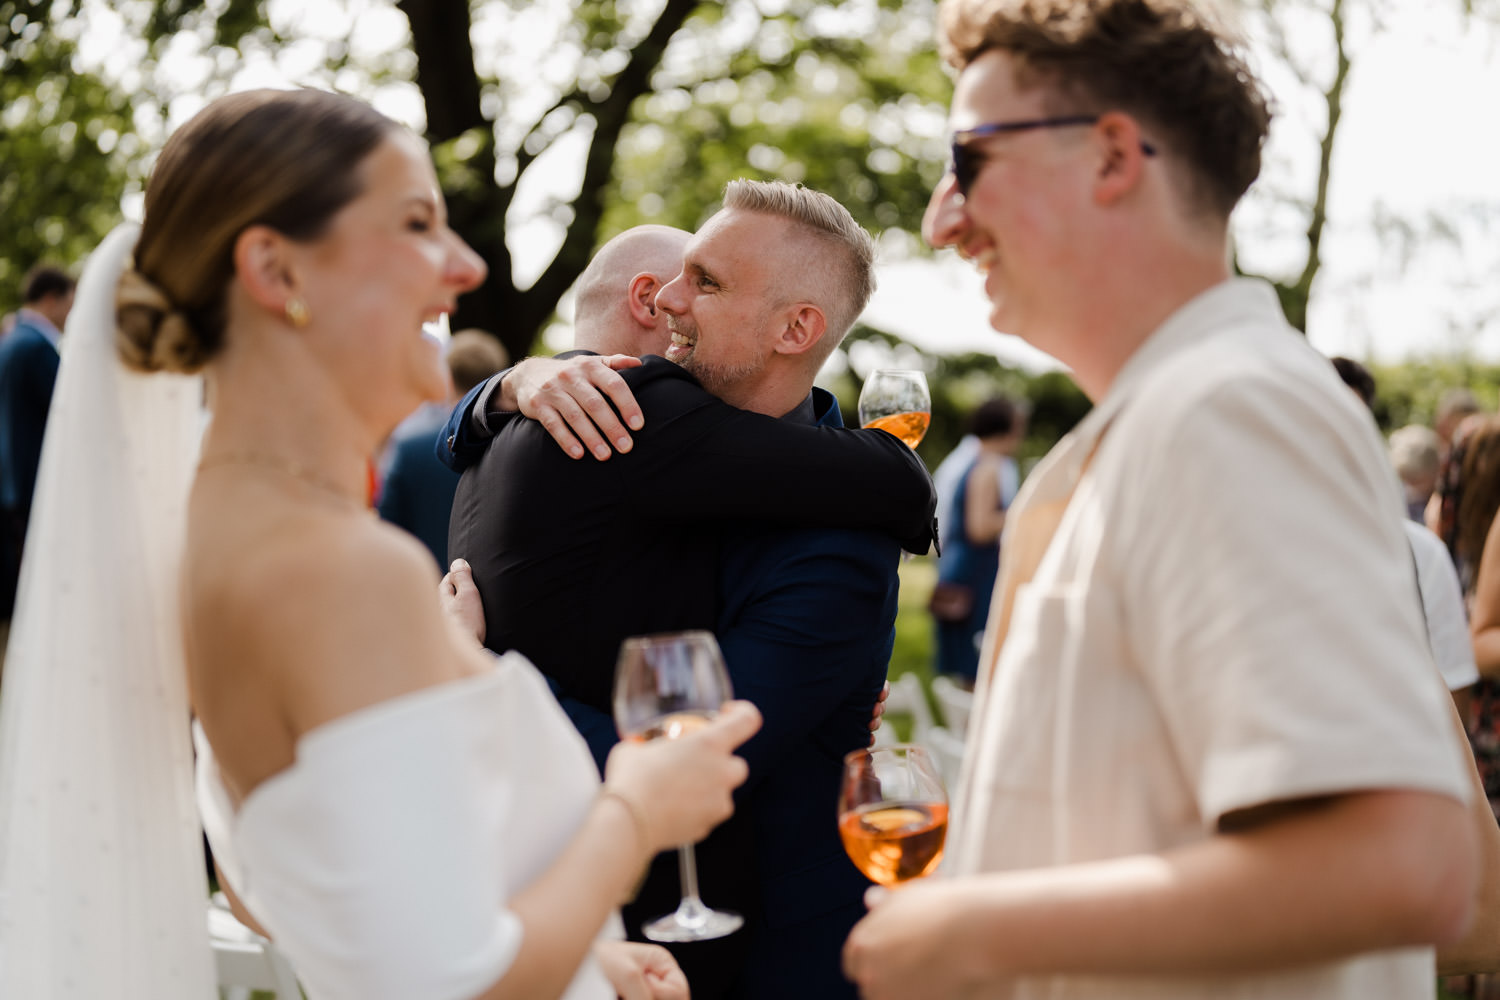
278,158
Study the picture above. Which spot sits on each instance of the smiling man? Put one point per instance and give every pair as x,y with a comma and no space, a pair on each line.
1210,757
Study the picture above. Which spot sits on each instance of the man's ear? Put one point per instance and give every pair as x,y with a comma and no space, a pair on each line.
263,265
805,325
641,299
1122,156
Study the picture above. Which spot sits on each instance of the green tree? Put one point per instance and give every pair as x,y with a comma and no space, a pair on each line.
661,104
67,148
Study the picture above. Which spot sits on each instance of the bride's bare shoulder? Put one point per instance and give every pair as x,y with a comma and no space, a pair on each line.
332,612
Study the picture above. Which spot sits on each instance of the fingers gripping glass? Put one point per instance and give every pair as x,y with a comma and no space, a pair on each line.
667,686
966,161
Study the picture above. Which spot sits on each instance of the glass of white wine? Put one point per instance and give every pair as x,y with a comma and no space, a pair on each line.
893,812
667,686
898,401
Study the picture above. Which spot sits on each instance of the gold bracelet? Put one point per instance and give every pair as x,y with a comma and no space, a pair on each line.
636,816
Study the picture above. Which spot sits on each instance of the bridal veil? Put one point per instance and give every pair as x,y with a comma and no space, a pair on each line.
102,886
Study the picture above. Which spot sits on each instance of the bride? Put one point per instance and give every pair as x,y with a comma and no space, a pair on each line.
406,816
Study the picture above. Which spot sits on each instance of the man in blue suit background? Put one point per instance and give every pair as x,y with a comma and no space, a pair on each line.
767,289
28,370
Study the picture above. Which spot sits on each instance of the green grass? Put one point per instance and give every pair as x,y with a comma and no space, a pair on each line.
913,651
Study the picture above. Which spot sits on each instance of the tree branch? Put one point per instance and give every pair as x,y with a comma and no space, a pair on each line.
1333,100
610,115
445,66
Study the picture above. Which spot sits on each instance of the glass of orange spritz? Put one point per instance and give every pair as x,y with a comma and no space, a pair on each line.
898,401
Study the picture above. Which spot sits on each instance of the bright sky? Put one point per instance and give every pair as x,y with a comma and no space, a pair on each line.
1418,137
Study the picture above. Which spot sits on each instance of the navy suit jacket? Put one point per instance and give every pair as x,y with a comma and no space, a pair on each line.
806,621
28,371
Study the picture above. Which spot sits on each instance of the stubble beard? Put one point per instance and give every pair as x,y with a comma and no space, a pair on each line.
719,379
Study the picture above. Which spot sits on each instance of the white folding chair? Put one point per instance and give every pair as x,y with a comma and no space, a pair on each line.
906,697
954,703
246,962
948,749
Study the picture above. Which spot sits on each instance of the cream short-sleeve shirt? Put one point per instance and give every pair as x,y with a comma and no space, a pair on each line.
1226,617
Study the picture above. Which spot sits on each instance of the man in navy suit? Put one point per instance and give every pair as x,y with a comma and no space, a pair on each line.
767,289
28,370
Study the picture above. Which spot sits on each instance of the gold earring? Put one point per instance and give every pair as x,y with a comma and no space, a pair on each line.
296,312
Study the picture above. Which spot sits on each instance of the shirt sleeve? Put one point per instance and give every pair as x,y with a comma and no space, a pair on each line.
1271,601
1443,605
466,434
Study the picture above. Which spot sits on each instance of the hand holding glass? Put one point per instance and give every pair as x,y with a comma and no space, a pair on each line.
893,813
667,686
897,401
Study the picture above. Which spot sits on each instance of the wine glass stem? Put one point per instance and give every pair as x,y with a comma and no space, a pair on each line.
691,910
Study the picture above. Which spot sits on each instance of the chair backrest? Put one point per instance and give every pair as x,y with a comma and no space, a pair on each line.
954,702
949,751
245,962
906,697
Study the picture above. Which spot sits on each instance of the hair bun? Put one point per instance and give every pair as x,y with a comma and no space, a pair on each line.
151,333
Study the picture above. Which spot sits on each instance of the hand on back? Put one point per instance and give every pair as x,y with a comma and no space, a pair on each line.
572,397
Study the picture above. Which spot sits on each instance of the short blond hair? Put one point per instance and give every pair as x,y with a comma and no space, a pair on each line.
844,245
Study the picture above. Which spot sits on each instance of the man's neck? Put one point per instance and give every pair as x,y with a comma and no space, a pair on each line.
1122,323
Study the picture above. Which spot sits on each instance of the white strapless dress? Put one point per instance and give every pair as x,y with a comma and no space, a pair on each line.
382,859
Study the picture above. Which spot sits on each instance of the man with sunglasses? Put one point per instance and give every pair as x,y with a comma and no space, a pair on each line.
1211,757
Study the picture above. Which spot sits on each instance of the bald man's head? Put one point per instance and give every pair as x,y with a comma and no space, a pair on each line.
615,311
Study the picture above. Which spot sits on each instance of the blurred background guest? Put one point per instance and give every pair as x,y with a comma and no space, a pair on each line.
1416,454
975,514
1455,406
418,490
28,369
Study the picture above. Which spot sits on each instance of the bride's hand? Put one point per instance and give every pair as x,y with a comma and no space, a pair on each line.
678,790
460,599
641,971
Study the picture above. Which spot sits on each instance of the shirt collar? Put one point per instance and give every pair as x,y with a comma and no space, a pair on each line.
804,412
1230,302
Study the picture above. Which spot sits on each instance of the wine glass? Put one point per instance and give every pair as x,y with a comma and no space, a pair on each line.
893,812
896,400
667,686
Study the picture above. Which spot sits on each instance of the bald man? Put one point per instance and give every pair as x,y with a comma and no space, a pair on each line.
571,556
614,317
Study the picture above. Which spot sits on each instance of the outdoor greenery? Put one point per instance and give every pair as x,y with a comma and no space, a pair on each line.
646,108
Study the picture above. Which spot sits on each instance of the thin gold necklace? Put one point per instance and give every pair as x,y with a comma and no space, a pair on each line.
288,468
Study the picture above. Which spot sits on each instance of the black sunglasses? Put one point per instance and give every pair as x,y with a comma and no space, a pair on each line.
966,163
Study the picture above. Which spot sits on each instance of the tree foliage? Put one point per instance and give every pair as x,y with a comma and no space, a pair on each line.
659,102
67,147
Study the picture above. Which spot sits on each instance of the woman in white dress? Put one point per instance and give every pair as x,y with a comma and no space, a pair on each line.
405,815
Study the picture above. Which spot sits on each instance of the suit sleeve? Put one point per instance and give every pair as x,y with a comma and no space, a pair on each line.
711,462
460,442
811,648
